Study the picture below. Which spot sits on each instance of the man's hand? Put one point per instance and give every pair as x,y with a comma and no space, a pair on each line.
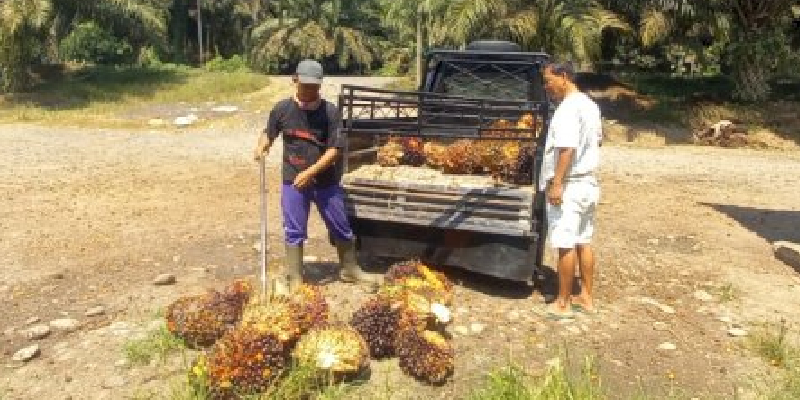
303,179
555,193
262,148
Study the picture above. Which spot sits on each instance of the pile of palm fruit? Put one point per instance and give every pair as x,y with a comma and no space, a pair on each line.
406,319
504,159
250,342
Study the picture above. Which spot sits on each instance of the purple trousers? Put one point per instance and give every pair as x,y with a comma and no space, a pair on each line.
296,205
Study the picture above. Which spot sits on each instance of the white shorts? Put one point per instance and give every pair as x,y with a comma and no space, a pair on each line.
572,222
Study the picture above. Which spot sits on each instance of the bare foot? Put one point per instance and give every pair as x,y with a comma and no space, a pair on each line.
557,311
585,303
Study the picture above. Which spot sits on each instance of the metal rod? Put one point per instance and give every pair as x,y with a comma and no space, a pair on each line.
264,218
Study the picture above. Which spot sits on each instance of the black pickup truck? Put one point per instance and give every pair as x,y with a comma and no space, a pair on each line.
497,229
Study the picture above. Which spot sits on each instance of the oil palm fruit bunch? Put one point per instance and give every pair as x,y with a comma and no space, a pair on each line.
314,309
245,361
377,322
426,305
239,292
413,154
500,128
435,154
462,158
390,154
201,320
414,274
336,352
425,355
280,317
520,171
528,122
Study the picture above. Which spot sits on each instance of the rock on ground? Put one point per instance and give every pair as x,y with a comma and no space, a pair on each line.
165,279
37,332
667,346
95,311
26,354
65,324
737,332
789,253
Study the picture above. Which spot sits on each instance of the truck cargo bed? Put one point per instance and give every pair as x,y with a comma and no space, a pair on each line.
489,209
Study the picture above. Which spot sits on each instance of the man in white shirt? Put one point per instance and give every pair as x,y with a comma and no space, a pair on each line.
571,157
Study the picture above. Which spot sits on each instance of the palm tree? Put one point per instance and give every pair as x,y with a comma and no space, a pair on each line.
752,31
423,32
571,28
758,44
30,29
336,31
22,24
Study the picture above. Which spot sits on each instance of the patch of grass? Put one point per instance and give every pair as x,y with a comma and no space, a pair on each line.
158,344
97,95
557,383
297,383
789,388
728,292
772,344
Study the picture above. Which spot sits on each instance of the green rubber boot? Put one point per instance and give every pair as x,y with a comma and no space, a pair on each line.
292,271
351,272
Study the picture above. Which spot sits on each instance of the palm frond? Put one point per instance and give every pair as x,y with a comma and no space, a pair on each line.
471,18
17,14
353,47
654,27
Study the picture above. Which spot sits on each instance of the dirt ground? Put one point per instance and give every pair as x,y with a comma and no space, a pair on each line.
91,217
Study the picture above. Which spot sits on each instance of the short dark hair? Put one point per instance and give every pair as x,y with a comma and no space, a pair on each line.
565,68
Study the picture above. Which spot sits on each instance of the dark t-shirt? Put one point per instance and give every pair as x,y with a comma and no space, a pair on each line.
307,134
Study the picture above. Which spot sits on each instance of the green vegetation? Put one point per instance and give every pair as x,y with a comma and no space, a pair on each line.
774,343
100,95
557,383
297,383
748,41
159,344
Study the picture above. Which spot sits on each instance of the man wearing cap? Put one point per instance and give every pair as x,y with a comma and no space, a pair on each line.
312,169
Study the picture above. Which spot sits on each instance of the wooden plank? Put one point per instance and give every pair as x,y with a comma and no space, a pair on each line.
514,215
477,200
515,192
456,221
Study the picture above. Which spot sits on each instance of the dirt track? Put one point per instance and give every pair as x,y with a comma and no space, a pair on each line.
90,217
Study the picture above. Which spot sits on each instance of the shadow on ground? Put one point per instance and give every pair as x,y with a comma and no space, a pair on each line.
771,225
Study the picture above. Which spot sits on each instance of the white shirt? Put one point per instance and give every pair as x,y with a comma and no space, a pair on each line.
575,124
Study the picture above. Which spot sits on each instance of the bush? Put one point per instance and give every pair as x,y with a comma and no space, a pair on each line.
236,63
148,57
90,43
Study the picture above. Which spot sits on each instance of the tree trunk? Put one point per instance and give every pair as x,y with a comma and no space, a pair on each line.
420,56
200,32
178,24
750,78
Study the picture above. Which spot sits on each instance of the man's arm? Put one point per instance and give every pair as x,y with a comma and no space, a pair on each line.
327,159
563,163
555,193
267,136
